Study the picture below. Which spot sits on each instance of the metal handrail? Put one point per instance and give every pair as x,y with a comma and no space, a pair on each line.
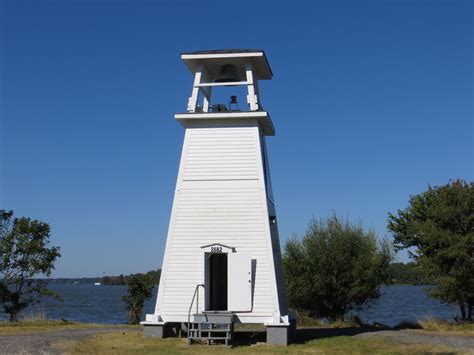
196,291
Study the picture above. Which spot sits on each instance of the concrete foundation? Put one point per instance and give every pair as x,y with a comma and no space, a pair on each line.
162,330
281,334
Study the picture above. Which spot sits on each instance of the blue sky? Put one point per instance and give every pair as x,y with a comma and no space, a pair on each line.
372,101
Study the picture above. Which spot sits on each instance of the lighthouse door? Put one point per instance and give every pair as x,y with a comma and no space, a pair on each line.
228,281
216,283
240,282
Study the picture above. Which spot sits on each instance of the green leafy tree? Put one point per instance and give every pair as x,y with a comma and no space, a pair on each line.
336,267
438,226
408,274
140,288
24,253
123,279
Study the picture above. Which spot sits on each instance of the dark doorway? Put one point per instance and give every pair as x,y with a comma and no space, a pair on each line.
217,282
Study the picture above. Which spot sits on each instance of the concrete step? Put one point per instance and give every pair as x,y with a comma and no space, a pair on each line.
221,318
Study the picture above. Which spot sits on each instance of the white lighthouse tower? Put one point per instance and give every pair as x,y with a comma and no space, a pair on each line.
222,262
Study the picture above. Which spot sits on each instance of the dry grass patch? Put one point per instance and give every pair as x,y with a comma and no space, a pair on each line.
439,325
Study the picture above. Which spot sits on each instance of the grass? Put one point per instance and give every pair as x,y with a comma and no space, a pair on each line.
35,325
134,343
320,338
37,322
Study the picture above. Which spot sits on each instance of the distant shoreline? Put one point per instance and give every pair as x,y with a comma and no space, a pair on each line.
119,280
93,280
400,274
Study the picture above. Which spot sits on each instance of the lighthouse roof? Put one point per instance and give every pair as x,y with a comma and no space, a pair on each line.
213,60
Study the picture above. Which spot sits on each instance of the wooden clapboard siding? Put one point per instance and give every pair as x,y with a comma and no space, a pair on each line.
220,197
221,154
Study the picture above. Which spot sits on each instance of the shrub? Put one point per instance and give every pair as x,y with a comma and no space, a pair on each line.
140,288
336,267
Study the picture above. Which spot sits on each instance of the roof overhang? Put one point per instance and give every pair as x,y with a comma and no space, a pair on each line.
212,61
262,117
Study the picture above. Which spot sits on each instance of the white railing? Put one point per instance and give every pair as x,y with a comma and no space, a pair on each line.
196,292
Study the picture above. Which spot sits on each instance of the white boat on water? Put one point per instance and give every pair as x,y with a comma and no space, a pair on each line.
97,284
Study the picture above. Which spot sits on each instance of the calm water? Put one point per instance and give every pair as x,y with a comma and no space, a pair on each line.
103,304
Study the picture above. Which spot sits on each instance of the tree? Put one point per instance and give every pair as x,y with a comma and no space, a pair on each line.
140,288
408,274
123,279
336,267
439,225
24,253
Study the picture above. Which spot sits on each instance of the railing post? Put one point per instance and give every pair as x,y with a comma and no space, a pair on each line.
196,290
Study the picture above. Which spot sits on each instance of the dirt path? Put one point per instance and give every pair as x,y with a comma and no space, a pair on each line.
407,336
44,342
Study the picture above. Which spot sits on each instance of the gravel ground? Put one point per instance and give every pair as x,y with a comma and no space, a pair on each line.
407,336
44,342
